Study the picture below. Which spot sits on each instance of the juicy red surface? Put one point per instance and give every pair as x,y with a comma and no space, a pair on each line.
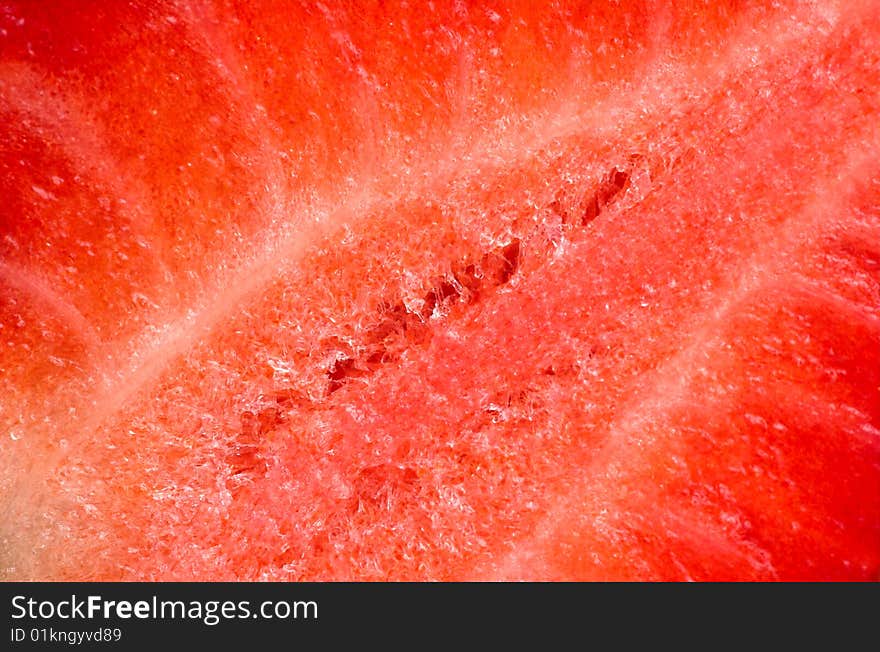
453,291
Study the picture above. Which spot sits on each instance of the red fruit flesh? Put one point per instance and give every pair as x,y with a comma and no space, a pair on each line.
297,292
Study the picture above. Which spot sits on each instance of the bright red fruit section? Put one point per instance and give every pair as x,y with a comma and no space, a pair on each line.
432,291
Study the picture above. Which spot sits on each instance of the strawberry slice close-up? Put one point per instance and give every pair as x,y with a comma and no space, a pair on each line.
439,291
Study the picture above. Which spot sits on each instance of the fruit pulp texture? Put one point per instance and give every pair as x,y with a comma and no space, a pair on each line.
455,291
